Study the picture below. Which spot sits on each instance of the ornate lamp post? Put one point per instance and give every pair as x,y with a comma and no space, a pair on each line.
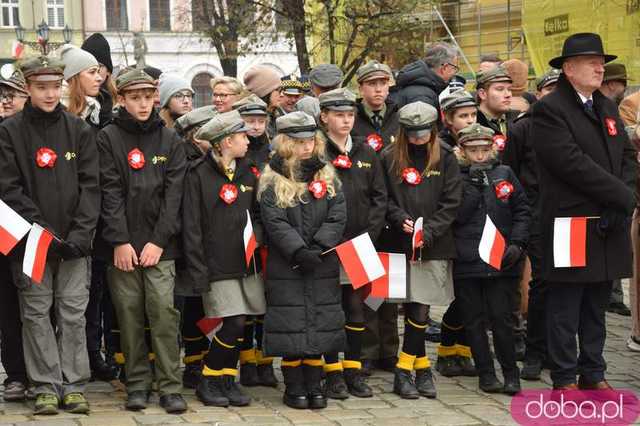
42,42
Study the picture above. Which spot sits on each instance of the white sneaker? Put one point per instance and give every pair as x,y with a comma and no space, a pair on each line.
633,344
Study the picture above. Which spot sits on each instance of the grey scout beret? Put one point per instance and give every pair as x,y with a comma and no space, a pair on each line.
326,75
417,118
134,79
475,135
494,75
42,68
373,70
250,105
221,126
550,77
297,124
457,99
341,99
195,118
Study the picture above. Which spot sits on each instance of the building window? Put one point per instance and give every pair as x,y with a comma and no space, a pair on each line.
116,14
199,17
200,85
55,13
9,13
159,15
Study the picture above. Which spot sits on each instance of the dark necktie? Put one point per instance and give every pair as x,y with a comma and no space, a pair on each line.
377,120
588,105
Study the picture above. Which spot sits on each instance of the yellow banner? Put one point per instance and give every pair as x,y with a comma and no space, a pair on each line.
547,23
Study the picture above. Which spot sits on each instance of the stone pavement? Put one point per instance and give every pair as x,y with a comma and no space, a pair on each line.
459,401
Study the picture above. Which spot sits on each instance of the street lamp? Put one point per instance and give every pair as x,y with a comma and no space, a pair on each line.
43,32
67,33
20,33
42,42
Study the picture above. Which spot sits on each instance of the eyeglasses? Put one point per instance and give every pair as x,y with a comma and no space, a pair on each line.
10,96
183,96
457,68
223,96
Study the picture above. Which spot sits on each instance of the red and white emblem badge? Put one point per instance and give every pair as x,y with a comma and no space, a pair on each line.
136,159
375,141
318,188
228,193
500,141
411,176
504,190
46,157
342,162
255,171
611,126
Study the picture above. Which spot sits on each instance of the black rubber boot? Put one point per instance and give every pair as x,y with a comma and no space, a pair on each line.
312,378
191,375
335,386
233,392
357,383
295,393
210,392
266,375
249,375
489,383
531,369
511,382
100,369
424,383
448,367
466,366
404,385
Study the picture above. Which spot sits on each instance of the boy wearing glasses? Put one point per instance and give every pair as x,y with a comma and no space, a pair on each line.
176,98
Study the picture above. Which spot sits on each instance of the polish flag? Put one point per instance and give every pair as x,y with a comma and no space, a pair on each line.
12,228
370,300
35,253
360,260
418,236
492,244
570,242
249,238
393,285
209,326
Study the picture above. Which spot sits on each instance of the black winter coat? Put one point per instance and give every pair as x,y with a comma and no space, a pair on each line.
64,198
585,164
304,311
520,156
364,127
143,205
510,116
418,82
435,199
363,187
212,231
510,213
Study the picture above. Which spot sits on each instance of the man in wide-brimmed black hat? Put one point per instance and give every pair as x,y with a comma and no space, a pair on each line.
587,172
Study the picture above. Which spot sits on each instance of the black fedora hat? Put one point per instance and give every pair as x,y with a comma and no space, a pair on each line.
581,44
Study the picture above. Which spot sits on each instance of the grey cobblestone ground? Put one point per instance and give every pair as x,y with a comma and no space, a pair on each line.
459,401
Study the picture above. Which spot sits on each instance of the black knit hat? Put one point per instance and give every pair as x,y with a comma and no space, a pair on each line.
153,72
98,46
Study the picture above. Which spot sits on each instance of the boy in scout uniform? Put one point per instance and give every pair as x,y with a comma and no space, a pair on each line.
142,166
49,175
377,122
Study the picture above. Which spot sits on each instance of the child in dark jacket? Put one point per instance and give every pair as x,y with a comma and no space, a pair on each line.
142,166
491,191
218,204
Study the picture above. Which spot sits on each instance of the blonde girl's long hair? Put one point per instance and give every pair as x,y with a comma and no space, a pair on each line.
400,153
288,191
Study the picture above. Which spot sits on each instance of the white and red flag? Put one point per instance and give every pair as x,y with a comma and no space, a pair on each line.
12,228
570,242
492,244
209,326
417,239
35,253
360,260
393,284
249,238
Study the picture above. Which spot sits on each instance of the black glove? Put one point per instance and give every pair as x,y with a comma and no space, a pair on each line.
64,250
478,174
610,220
511,256
307,259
